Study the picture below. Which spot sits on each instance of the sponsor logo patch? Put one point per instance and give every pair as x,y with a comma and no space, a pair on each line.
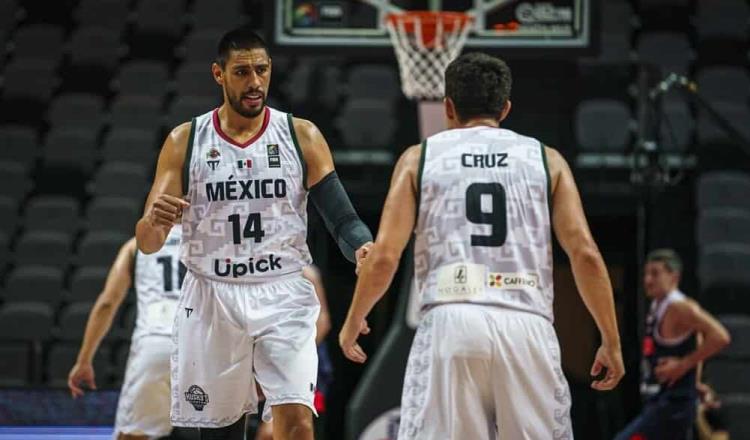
196,397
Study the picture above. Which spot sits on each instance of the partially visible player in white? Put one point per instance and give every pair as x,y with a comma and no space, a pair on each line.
483,201
143,407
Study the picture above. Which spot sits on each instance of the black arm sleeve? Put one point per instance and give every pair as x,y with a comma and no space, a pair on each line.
339,216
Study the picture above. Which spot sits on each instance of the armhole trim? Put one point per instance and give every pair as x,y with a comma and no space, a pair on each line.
420,170
188,158
290,119
549,180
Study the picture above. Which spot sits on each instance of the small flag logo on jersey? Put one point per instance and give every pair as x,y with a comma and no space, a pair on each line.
247,163
274,157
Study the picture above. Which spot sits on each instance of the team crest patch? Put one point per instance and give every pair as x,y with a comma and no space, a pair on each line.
197,397
212,158
274,157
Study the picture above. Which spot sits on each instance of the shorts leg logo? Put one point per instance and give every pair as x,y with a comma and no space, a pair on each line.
197,397
188,311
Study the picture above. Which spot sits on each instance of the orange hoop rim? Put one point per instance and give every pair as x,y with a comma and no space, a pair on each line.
450,19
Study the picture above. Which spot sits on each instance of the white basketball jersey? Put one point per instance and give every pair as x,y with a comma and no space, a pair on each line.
483,232
247,220
158,278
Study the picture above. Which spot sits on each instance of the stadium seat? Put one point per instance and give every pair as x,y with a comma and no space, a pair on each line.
94,54
18,144
723,225
61,358
728,376
10,12
200,46
26,321
113,214
603,125
373,81
739,327
737,409
722,19
68,159
737,114
138,112
120,179
8,215
27,87
357,130
723,277
100,248
77,111
43,248
15,364
184,108
158,27
724,84
41,284
143,78
195,79
4,251
723,189
110,14
52,214
16,182
130,146
87,282
72,321
298,86
670,51
38,41
207,16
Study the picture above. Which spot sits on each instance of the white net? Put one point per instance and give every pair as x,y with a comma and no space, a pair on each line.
425,44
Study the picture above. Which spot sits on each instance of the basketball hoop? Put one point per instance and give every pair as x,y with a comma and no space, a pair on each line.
425,43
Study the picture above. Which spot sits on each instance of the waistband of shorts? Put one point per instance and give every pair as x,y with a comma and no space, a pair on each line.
489,306
291,276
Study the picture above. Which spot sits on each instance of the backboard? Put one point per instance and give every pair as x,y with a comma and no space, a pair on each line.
532,24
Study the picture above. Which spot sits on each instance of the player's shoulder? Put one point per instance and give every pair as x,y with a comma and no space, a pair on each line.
411,156
304,128
684,308
181,133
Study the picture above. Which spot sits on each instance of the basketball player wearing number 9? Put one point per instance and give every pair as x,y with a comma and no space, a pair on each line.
490,345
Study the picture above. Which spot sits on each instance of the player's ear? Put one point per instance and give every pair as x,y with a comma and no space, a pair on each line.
505,111
450,109
218,73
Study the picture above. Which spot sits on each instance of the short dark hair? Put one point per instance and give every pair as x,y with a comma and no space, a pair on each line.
243,37
478,84
669,257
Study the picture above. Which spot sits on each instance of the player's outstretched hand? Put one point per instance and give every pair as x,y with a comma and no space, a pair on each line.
166,211
361,255
81,374
348,340
611,359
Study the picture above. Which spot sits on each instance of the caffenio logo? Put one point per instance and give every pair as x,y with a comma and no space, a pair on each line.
197,397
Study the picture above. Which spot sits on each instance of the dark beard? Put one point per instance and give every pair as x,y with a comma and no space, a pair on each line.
237,106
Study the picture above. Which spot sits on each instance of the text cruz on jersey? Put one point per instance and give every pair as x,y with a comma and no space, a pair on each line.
491,160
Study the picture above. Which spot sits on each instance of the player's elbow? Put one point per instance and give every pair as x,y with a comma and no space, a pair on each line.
723,339
385,260
586,254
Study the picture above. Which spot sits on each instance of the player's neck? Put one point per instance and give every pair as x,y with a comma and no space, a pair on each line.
238,126
480,122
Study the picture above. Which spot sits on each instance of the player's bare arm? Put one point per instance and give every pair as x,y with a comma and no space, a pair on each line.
396,227
323,324
164,204
328,195
688,317
100,319
590,272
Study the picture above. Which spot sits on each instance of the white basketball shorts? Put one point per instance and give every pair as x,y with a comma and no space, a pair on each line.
228,336
484,372
143,407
